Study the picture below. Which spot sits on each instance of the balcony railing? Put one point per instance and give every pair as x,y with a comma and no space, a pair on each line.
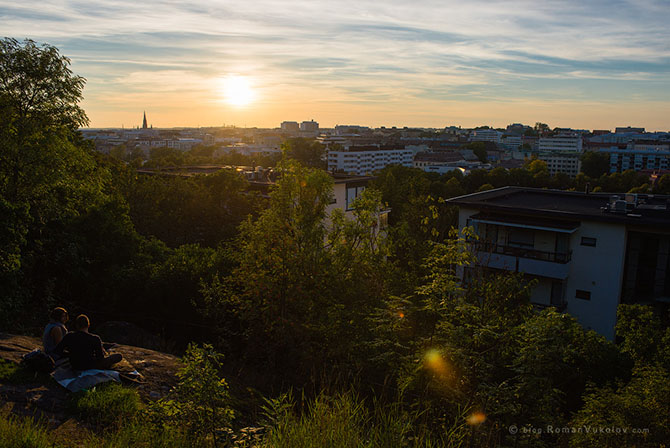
521,252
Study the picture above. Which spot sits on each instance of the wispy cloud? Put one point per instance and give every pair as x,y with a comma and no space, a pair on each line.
386,54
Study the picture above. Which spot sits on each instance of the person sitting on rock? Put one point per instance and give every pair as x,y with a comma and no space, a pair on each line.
85,349
55,331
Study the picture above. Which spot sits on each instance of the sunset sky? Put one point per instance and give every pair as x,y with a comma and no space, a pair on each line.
594,64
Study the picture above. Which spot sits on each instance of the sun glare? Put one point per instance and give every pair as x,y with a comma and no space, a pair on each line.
237,90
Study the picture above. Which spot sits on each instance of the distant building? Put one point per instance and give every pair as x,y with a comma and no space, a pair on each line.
144,121
309,126
512,142
362,160
562,153
345,129
290,126
639,156
629,130
485,135
561,143
587,252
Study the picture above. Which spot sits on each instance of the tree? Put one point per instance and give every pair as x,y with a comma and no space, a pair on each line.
634,414
305,280
479,149
541,128
595,164
43,161
307,152
49,176
662,185
42,156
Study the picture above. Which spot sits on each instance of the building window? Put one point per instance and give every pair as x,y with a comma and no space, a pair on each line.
521,238
588,241
352,194
584,295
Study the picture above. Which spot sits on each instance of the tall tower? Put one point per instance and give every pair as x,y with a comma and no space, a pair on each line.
144,122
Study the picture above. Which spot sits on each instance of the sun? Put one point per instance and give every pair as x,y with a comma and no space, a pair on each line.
237,90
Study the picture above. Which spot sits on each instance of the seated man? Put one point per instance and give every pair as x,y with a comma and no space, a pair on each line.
85,349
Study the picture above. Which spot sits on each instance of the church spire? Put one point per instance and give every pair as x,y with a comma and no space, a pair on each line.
144,122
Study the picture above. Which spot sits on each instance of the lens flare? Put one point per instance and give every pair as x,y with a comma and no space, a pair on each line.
476,418
434,361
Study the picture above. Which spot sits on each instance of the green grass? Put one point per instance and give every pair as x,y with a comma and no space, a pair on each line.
344,421
25,433
107,405
142,434
13,373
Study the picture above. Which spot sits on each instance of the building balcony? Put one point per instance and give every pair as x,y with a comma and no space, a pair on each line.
554,265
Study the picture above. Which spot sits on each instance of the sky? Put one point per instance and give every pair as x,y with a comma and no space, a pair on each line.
569,63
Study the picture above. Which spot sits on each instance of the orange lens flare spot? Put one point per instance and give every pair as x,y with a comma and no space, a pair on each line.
476,418
434,361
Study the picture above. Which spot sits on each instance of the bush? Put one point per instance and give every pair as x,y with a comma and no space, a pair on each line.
200,401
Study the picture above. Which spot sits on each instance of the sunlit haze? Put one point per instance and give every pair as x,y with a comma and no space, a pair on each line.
596,64
237,90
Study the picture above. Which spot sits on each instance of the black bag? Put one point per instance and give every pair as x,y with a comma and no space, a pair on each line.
39,361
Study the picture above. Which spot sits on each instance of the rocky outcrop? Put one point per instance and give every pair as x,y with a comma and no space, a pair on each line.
48,400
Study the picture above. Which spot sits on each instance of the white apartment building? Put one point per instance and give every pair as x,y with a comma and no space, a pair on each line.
562,153
571,143
587,252
570,164
366,160
486,135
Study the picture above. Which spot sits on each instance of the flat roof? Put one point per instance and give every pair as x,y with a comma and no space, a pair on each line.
566,206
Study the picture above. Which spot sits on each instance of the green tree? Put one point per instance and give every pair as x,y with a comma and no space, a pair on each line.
662,185
595,164
479,149
43,162
305,280
541,128
306,151
633,414
49,177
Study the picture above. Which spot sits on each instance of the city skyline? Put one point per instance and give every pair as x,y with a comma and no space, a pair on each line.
428,64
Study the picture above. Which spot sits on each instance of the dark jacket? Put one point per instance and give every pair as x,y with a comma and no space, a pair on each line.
83,349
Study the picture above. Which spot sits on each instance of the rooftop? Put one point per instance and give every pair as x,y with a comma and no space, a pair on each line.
636,210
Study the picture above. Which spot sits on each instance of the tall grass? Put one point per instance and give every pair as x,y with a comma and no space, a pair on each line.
25,433
344,421
108,405
141,433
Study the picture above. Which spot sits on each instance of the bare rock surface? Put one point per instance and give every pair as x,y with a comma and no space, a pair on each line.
48,401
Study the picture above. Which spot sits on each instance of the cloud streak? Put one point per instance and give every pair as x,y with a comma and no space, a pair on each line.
396,53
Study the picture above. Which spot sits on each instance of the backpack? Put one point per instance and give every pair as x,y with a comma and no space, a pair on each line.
39,361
